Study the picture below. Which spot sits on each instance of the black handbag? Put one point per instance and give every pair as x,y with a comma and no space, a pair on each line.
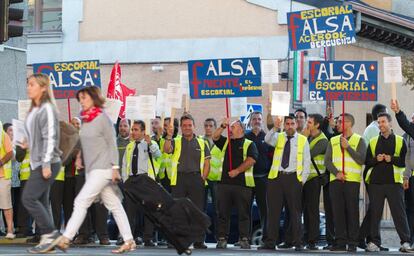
323,178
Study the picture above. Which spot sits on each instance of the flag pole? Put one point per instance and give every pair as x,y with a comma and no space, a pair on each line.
228,137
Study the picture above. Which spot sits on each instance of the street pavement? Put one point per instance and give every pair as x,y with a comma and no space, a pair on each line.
20,249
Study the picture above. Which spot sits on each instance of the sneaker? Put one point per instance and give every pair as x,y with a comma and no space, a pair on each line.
221,243
285,246
405,247
162,243
384,249
10,236
312,247
371,247
299,248
199,245
138,241
237,244
327,247
34,240
266,247
149,243
244,243
362,245
40,249
338,248
120,241
352,248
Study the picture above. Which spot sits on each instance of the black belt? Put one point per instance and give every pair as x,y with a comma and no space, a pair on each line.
286,173
136,175
192,173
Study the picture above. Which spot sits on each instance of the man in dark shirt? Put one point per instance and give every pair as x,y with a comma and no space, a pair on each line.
386,163
235,185
262,166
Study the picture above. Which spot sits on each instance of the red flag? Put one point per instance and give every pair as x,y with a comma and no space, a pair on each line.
117,90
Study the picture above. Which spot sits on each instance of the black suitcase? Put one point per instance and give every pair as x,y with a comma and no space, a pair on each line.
178,219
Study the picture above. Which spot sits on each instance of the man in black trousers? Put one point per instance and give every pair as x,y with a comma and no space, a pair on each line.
386,164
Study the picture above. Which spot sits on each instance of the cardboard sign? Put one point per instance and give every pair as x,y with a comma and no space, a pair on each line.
112,108
69,77
343,80
238,106
23,107
392,70
146,106
131,107
225,78
174,96
19,133
318,28
162,109
270,71
185,83
280,103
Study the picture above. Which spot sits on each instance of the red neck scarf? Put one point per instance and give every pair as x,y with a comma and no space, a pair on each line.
90,114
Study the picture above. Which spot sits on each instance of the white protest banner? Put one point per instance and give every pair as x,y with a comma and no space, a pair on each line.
270,71
23,107
392,70
238,106
174,95
184,81
19,133
146,106
280,103
112,108
392,73
162,109
131,107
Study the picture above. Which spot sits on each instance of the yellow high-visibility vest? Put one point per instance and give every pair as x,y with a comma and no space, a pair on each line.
319,159
398,171
128,157
278,154
352,169
175,157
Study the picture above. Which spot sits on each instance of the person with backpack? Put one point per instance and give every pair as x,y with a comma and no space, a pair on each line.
140,158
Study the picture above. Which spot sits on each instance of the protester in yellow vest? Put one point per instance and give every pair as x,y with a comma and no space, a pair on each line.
289,171
141,158
235,182
344,184
190,165
386,164
312,188
6,155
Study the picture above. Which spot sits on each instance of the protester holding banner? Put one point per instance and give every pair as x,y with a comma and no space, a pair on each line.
316,179
141,158
6,156
101,170
386,164
236,181
370,132
190,165
289,171
345,179
402,119
262,166
42,128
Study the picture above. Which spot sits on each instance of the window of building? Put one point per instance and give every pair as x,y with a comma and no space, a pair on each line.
44,15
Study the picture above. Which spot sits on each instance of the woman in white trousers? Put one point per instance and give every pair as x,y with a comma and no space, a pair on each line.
100,157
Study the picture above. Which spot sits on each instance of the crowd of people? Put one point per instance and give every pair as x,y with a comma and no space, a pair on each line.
287,168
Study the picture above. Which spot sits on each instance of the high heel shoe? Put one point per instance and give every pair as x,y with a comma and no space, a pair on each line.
128,246
62,243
